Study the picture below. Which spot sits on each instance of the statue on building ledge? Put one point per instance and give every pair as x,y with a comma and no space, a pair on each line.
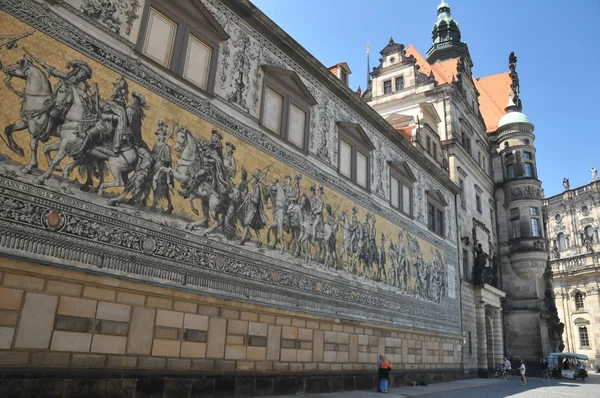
555,251
479,267
594,172
566,184
588,242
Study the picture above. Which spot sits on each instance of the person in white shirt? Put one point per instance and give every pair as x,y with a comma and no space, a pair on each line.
508,366
522,369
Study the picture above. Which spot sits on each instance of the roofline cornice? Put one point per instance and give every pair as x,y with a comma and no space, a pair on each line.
248,12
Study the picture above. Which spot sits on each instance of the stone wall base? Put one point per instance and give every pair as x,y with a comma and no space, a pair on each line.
58,383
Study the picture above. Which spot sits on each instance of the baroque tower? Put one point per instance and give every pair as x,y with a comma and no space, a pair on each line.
446,38
521,239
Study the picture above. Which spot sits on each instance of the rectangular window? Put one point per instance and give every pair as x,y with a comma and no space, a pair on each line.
345,159
584,339
297,126
160,38
528,169
533,211
361,169
197,62
516,228
434,151
399,83
470,344
431,217
514,213
345,77
440,222
479,158
527,156
510,171
478,202
465,261
387,87
536,229
463,197
394,192
406,199
272,111
428,140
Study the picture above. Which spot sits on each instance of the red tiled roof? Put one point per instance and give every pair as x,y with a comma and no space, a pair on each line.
493,98
493,89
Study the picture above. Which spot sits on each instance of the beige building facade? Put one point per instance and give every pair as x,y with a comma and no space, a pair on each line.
572,227
476,134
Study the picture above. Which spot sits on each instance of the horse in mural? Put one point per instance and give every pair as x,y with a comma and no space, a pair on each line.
34,118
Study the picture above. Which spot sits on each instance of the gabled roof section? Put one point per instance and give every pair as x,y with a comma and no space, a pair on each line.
356,130
493,91
200,12
443,73
406,132
428,109
292,80
403,167
437,196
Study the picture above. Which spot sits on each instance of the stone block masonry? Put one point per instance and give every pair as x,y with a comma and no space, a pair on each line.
127,328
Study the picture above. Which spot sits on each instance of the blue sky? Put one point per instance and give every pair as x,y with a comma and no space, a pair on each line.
555,41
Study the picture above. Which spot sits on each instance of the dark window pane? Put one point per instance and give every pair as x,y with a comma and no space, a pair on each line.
431,217
399,83
528,170
387,87
440,222
510,171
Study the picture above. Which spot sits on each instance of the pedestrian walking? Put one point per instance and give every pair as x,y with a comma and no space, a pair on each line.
508,367
523,370
384,375
544,365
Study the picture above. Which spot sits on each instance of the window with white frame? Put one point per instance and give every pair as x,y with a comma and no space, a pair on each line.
285,106
184,38
584,340
402,181
354,154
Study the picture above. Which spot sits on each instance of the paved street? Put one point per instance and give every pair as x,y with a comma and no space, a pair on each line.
489,388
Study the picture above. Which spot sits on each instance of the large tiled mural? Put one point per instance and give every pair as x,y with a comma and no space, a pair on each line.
90,155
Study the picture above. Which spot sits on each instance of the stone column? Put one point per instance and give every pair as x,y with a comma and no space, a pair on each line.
482,363
498,336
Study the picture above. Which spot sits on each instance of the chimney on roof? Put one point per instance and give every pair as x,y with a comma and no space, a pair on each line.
341,71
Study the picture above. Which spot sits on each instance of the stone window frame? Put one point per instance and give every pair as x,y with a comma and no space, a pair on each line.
401,171
282,82
385,82
399,79
528,158
537,217
509,164
354,135
437,203
208,32
561,237
579,301
584,337
478,193
515,216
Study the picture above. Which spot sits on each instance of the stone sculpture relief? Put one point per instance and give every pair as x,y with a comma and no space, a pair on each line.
64,109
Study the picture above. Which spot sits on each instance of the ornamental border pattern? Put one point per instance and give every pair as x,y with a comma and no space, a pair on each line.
82,237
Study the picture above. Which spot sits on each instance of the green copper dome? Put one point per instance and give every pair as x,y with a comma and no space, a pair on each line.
512,115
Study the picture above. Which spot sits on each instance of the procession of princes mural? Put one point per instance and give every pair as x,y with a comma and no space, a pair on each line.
98,141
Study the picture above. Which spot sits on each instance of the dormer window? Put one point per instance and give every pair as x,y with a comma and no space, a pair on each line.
285,107
344,77
354,154
183,38
387,87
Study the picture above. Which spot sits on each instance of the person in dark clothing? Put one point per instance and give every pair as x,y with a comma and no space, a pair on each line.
384,375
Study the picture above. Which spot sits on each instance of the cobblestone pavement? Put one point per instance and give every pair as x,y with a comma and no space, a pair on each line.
488,388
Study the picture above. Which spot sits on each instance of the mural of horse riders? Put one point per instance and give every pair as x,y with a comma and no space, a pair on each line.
106,136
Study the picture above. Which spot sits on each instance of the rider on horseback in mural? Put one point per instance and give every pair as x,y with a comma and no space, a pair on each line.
213,153
113,121
317,205
71,83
